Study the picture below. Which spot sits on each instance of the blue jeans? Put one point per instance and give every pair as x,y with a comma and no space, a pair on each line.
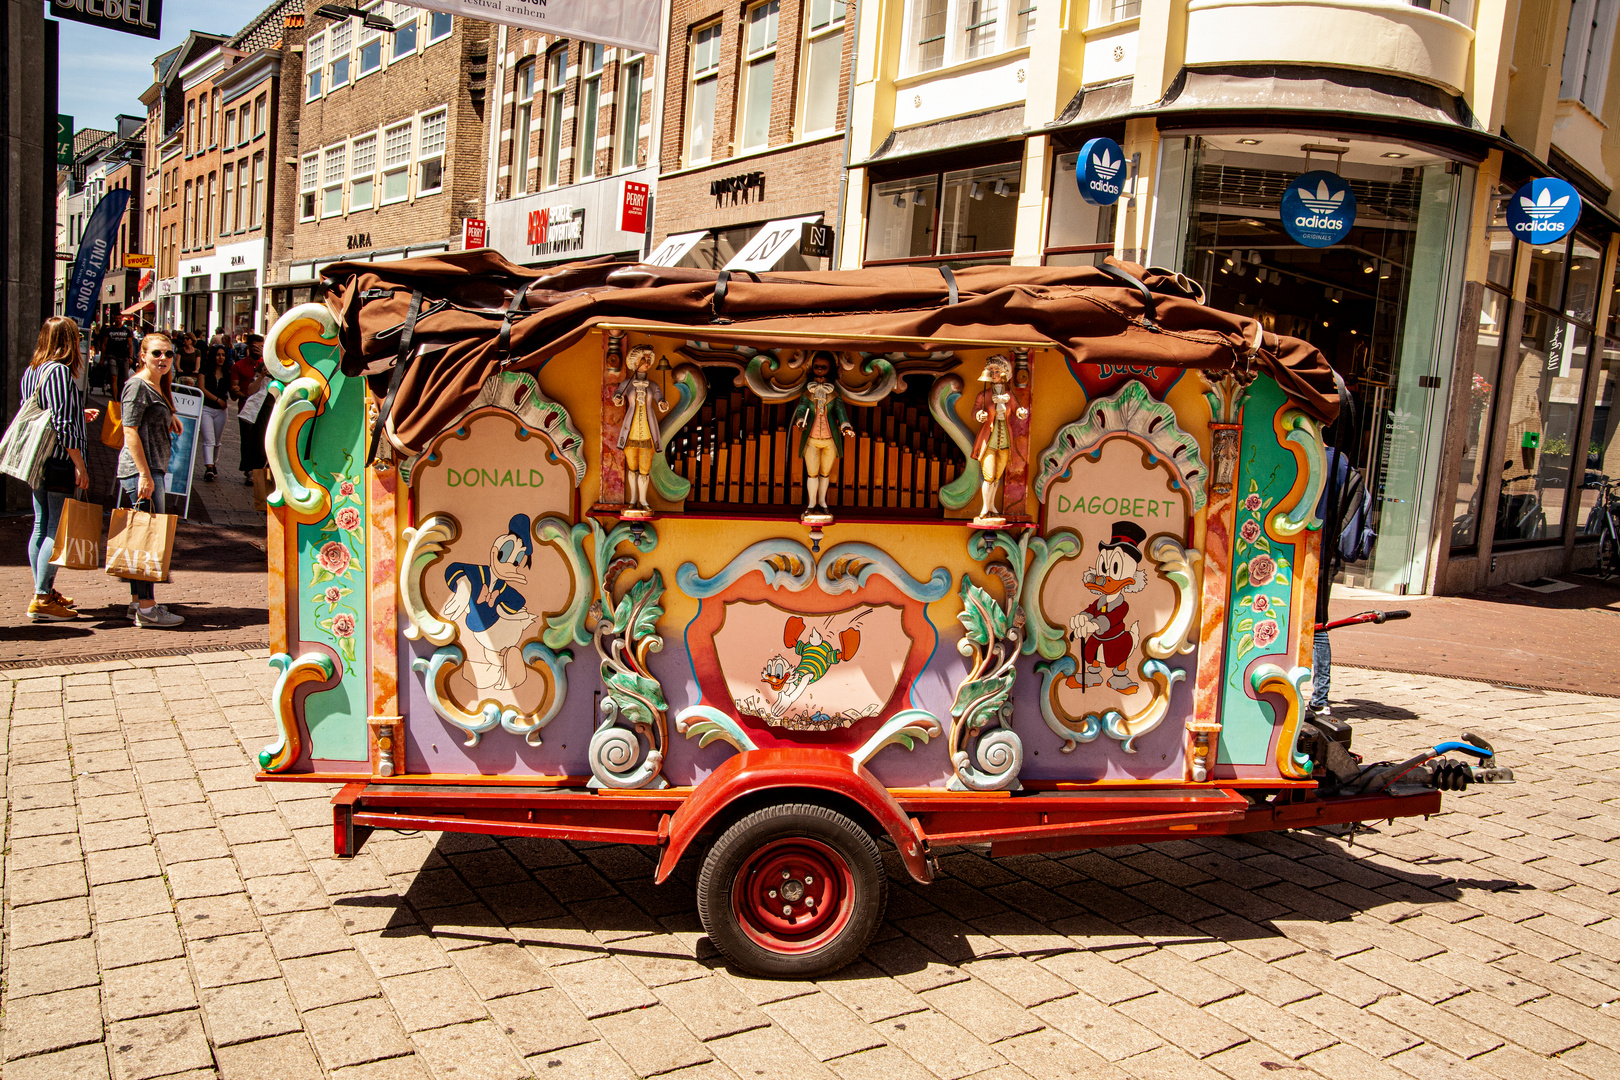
42,541
1321,669
142,590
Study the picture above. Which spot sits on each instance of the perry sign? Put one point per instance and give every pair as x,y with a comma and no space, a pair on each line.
1318,209
1101,172
1544,210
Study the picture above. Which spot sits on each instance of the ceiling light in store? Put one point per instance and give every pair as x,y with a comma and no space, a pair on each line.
1385,270
1395,156
1249,142
899,198
1276,278
1229,260
920,197
1254,257
1368,266
976,191
1001,187
1326,323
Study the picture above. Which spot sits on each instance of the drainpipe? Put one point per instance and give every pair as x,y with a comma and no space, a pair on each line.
843,175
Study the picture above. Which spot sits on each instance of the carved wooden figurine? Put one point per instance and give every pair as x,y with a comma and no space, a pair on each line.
639,436
997,406
823,422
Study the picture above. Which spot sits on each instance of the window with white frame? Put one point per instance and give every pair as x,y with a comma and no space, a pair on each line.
824,37
260,109
341,41
314,66
1023,21
556,83
371,47
759,71
242,196
1586,52
258,189
227,212
242,125
439,24
404,17
630,79
522,128
943,32
396,182
363,173
1104,12
230,127
334,161
705,78
430,155
590,106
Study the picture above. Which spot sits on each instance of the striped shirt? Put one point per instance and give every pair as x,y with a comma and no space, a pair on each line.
61,397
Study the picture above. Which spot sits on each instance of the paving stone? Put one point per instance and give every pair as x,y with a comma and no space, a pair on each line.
1261,1020
50,1022
305,933
400,952
56,920
158,1046
282,893
1358,1027
652,1041
944,1047
27,853
244,1012
767,1052
590,1061
988,1013
1198,1032
147,990
602,987
431,999
541,1021
883,1063
1110,1034
1108,982
1436,1026
138,941
38,885
498,970
192,845
215,916
1020,979
823,1025
45,969
355,1033
81,1063
329,979
237,958
282,1057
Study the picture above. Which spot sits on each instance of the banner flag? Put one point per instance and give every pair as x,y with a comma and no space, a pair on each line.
630,24
95,253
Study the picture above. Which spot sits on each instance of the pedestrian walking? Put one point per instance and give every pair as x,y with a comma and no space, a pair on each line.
149,421
188,361
1347,535
53,375
215,383
250,385
117,348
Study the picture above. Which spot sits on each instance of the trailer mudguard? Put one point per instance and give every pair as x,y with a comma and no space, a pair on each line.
780,771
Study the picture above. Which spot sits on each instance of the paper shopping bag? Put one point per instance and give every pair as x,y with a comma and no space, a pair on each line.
140,544
78,536
262,487
112,426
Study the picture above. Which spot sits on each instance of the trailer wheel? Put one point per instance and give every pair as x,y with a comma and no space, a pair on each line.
793,890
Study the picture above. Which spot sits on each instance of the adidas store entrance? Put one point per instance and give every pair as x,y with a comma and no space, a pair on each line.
1378,291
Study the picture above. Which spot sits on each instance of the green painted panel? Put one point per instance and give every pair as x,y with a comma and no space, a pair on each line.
1262,577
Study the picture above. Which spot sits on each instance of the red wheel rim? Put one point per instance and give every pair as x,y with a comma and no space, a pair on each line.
793,895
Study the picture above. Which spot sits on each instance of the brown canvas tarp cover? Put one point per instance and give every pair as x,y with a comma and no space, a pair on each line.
479,313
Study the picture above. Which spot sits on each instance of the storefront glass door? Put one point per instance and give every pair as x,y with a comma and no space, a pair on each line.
1381,303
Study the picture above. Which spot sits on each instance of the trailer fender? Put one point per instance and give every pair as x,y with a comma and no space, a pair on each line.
787,769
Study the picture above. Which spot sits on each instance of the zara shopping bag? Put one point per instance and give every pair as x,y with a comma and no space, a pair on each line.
140,544
29,441
78,536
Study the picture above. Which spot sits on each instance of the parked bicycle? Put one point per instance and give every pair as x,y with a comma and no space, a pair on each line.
1604,522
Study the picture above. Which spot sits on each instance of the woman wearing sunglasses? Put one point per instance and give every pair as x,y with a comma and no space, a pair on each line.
149,420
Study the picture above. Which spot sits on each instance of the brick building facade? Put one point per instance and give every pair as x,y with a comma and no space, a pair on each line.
570,173
755,96
390,142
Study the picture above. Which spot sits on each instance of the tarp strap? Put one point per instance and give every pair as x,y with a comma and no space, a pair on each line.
721,283
950,281
1151,312
407,338
504,341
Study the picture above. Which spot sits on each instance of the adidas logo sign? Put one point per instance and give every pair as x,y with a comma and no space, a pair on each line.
1544,207
1321,201
1106,167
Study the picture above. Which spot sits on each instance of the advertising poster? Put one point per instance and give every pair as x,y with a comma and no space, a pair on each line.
188,404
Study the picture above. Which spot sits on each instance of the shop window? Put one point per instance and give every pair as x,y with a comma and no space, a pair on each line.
396,163
363,173
556,84
258,190
1499,267
522,129
230,127
1602,449
439,24
242,208
1586,52
341,42
227,212
630,88
371,50
314,65
900,219
759,71
1477,416
963,213
335,161
1547,266
1585,270
590,97
1544,409
824,41
430,159
404,17
1078,233
705,78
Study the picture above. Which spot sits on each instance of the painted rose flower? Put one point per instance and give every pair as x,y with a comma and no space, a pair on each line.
347,517
332,594
1250,532
346,488
1265,632
334,558
343,625
1252,503
1262,568
1262,602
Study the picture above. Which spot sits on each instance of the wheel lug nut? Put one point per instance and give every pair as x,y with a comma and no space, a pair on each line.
787,909
809,901
809,879
785,875
772,894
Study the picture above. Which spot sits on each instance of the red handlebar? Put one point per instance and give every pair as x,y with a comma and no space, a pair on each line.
1365,617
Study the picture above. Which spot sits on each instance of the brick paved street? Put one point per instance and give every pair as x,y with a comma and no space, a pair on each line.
165,915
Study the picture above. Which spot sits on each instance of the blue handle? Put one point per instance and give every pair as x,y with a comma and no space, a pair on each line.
1466,748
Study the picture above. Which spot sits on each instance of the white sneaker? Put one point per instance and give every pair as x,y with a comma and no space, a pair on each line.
158,617
133,608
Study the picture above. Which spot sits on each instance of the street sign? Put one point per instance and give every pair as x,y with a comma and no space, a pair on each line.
142,17
1318,209
817,241
64,139
134,261
474,233
1100,171
1544,210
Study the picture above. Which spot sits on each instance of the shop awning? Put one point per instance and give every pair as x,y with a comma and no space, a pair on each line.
766,247
136,309
674,248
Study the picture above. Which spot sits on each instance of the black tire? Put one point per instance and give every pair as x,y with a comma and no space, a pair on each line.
1607,565
829,868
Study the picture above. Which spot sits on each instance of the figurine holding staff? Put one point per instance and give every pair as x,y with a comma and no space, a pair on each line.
995,408
823,422
639,436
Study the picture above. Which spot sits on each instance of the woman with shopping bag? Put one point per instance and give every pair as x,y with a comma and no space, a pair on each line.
149,421
53,375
